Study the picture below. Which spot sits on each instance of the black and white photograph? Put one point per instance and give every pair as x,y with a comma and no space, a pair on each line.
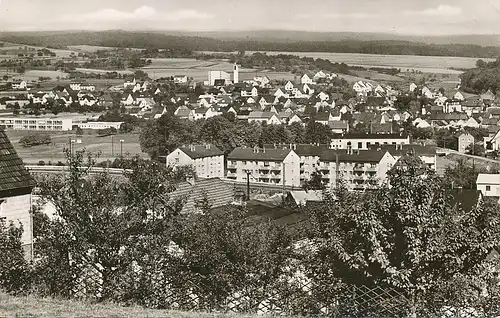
250,159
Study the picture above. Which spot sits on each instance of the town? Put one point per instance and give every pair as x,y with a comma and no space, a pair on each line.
302,176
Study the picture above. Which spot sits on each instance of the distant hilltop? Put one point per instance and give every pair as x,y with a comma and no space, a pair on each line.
477,46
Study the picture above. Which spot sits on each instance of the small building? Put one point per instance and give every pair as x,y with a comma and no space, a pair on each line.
96,125
464,141
180,79
207,160
488,184
269,118
365,141
16,185
37,123
19,85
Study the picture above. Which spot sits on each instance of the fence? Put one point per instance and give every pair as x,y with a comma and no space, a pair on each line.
292,295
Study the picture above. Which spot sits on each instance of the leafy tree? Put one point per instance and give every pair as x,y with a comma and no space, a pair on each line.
407,235
35,140
14,270
315,182
275,134
318,133
475,149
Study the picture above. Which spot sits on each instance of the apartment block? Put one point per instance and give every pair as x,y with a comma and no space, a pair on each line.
206,159
365,141
277,165
33,123
359,169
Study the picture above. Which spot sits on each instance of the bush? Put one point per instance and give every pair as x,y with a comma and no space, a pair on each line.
35,140
106,132
41,163
14,270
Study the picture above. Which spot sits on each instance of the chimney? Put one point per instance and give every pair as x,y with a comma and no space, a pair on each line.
263,149
349,149
290,146
192,147
294,146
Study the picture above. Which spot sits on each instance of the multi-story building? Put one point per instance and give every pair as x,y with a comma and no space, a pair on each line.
207,160
365,141
279,165
359,169
426,153
464,141
33,123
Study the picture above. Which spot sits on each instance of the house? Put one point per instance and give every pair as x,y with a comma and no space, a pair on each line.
488,96
427,93
19,85
207,160
184,112
459,96
359,169
302,197
413,87
488,184
319,76
279,166
323,118
473,105
270,118
180,79
339,126
305,79
295,119
289,86
128,84
464,141
214,191
309,155
426,153
16,185
450,106
128,101
205,113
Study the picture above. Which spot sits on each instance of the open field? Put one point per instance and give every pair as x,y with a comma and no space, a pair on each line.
108,148
378,76
33,75
48,308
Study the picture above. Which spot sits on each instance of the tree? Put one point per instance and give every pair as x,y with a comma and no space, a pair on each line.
35,140
315,182
408,235
318,133
475,149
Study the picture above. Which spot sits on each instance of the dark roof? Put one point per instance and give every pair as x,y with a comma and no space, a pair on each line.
217,192
260,154
372,156
369,136
201,151
302,149
323,116
13,174
401,150
219,82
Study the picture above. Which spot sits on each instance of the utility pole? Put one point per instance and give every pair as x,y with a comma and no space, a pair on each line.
112,146
283,178
248,184
336,170
121,148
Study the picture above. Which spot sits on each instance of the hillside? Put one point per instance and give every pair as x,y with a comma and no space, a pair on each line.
263,42
48,308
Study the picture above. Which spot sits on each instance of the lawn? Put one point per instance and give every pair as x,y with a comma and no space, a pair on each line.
108,147
47,308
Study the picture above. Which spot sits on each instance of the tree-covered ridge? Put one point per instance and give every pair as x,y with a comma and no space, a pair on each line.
190,43
486,76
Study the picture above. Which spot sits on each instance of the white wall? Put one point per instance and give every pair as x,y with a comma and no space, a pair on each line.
17,209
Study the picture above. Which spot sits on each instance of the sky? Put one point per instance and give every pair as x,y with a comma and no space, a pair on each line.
415,17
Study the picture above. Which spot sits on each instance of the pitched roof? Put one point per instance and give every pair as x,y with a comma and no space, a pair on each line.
401,150
366,156
216,191
13,174
260,115
369,136
263,154
301,149
488,178
201,151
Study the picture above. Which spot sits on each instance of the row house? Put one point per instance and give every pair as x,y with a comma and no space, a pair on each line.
362,88
279,166
206,159
359,169
365,141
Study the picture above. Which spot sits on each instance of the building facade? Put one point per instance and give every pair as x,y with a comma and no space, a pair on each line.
279,166
366,141
34,123
207,160
100,125
464,141
488,184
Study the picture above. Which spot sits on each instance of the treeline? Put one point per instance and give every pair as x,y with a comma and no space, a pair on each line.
184,44
485,76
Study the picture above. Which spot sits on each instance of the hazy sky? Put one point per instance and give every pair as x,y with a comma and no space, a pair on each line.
431,17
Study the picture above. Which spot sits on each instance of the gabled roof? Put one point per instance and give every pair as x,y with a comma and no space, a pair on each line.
361,156
338,124
263,154
369,136
201,151
260,115
488,178
13,174
401,150
216,191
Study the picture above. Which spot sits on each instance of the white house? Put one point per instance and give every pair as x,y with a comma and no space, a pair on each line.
413,87
207,160
180,79
270,118
305,79
19,85
488,184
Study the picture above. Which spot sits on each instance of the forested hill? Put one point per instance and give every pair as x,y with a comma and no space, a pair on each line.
482,78
198,43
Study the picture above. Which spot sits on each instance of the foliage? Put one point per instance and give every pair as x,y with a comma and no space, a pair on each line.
35,140
106,132
407,235
315,182
14,270
485,76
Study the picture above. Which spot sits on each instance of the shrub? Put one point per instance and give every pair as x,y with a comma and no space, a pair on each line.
35,140
41,163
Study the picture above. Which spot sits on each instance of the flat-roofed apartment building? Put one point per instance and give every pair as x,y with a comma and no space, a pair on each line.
279,165
32,123
206,159
365,141
359,169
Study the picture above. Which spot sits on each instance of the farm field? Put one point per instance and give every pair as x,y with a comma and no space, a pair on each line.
107,147
33,75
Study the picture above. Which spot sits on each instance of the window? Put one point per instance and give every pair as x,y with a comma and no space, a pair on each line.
176,160
360,145
488,188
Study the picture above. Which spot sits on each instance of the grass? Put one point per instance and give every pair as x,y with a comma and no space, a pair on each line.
108,147
48,308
